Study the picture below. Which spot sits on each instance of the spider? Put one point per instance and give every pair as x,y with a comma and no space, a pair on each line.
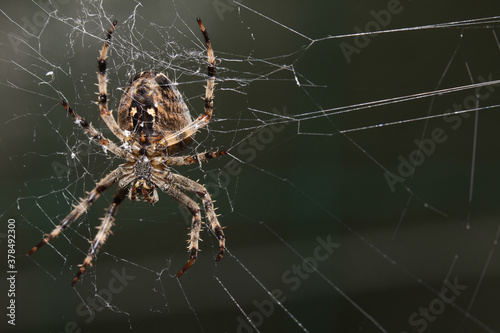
154,125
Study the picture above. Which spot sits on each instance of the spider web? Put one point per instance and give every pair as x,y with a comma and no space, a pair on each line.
360,188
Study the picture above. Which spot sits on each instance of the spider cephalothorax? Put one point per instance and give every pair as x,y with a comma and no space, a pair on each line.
154,125
143,185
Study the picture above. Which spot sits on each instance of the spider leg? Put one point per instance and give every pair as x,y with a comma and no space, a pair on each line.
186,160
96,135
209,90
83,206
204,119
106,115
104,230
194,209
198,189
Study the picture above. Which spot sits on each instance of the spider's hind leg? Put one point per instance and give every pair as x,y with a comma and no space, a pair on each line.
203,119
95,134
106,114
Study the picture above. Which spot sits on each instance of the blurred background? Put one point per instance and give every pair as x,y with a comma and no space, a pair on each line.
360,193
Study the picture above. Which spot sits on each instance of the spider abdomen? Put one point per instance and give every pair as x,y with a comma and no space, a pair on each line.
152,107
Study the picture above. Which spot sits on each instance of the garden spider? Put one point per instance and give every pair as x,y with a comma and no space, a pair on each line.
154,125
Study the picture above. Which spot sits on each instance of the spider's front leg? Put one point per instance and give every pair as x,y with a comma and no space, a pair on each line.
104,230
198,189
188,203
83,206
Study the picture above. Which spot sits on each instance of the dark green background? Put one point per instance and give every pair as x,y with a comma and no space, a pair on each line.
396,247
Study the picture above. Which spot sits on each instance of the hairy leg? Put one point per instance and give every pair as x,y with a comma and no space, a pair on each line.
194,209
83,206
208,206
106,115
204,119
96,135
186,160
104,231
